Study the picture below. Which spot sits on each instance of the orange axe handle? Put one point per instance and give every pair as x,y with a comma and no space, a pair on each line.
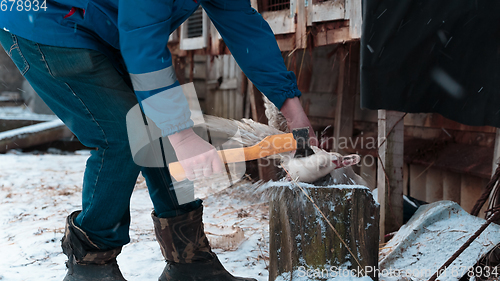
270,145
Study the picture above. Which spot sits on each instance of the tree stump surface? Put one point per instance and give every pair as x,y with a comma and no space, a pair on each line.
302,242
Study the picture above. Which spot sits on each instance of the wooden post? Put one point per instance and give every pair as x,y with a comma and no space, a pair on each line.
434,186
418,178
33,135
496,153
471,189
191,69
257,104
180,69
347,87
390,193
301,239
267,168
451,186
369,172
301,32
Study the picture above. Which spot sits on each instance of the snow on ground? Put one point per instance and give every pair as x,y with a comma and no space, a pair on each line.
23,113
37,192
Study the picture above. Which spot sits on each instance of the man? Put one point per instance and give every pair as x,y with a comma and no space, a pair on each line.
85,58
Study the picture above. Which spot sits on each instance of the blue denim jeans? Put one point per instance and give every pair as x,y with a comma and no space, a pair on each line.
91,93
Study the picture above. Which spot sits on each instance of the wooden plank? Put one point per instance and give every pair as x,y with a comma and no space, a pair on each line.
342,99
438,121
458,136
471,189
33,135
309,13
391,159
328,11
280,21
434,185
286,42
451,186
240,94
320,104
355,17
225,67
369,173
215,41
14,123
301,32
346,91
406,175
496,151
180,68
267,168
332,36
225,104
418,178
257,104
255,4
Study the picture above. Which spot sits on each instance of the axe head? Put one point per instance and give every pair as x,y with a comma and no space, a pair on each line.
301,136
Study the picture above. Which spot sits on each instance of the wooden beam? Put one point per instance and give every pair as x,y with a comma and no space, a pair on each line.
280,21
33,135
11,124
390,183
451,186
471,189
328,10
286,42
326,36
369,172
257,104
434,186
301,32
180,68
496,152
347,87
267,168
418,178
354,15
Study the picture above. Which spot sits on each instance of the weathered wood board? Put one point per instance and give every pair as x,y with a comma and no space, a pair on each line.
33,135
301,239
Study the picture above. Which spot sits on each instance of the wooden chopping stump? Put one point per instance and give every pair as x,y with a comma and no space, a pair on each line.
303,243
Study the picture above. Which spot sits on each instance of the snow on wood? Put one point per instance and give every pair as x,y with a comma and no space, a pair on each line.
21,113
33,135
434,233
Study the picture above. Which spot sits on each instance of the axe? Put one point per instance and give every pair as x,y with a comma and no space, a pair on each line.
298,140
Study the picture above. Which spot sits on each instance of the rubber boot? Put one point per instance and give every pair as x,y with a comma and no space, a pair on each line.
186,249
86,262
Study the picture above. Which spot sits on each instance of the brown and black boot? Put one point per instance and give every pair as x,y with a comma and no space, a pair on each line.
86,262
187,251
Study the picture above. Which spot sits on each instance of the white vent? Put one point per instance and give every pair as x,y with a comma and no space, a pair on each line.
194,31
195,24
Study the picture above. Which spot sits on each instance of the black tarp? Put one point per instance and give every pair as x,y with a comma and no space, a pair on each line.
439,56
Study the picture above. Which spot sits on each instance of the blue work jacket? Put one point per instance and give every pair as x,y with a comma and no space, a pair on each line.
140,30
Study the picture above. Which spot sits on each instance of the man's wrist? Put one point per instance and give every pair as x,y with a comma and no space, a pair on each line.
180,136
291,107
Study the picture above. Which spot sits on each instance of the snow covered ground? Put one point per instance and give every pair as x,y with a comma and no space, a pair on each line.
37,192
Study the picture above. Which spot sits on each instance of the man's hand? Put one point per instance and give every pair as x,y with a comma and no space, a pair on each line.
297,118
198,158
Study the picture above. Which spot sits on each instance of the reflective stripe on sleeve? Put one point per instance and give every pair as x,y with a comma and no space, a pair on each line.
154,80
